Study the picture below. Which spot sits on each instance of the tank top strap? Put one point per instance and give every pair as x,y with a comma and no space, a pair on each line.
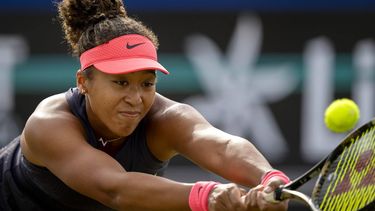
77,105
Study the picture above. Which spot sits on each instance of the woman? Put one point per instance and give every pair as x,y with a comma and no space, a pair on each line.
101,145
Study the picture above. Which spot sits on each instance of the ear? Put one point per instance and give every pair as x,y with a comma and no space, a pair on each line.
81,81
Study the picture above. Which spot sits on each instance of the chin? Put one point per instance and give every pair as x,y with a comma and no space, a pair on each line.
124,128
125,131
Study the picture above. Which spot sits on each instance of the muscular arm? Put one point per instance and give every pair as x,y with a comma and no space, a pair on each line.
55,140
231,157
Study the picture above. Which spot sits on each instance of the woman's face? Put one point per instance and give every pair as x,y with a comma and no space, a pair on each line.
115,104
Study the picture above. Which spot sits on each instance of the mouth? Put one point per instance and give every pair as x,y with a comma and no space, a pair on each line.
130,114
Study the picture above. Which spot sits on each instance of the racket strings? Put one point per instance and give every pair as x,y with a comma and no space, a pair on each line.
349,182
354,174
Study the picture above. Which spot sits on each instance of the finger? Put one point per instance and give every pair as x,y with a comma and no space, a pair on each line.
260,200
259,187
252,198
243,191
216,202
224,198
272,185
235,199
266,205
221,206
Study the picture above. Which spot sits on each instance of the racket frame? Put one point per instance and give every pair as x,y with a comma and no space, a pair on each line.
288,191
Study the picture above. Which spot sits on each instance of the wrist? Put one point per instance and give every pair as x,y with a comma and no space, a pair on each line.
199,193
274,174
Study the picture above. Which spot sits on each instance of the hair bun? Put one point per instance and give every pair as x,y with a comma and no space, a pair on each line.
76,16
89,23
81,14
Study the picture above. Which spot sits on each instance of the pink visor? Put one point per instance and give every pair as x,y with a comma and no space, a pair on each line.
124,54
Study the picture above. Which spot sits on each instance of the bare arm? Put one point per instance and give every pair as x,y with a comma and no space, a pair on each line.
55,140
231,157
236,159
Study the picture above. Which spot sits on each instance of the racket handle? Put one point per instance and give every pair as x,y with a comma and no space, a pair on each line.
281,194
270,197
274,196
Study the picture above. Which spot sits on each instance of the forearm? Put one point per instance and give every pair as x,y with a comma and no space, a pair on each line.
138,191
243,163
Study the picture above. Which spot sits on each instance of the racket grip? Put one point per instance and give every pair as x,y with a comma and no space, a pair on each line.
270,197
274,196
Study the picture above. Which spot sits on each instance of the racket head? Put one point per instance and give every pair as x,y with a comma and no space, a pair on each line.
347,177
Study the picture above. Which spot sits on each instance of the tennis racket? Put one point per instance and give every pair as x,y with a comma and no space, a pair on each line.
346,176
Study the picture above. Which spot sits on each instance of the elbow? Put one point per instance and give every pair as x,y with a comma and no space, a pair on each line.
113,194
117,202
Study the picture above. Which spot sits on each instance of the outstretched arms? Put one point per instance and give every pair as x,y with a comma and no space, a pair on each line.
54,140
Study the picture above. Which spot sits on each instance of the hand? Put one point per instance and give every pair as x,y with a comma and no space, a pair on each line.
250,199
227,197
255,200
270,186
266,205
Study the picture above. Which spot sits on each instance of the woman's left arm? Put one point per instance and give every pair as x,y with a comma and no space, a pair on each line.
181,129
234,158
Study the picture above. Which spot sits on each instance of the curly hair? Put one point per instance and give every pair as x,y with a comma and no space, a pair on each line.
89,23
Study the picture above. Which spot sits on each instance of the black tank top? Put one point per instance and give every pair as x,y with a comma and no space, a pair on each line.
134,155
27,187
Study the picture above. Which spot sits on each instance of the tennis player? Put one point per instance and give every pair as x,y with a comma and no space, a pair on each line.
104,144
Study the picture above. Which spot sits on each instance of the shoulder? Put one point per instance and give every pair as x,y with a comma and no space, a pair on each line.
165,109
51,122
54,100
52,108
169,119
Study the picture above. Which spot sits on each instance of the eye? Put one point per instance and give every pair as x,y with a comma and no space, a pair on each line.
120,83
149,84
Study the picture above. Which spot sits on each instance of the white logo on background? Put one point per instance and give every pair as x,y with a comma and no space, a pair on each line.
237,91
318,92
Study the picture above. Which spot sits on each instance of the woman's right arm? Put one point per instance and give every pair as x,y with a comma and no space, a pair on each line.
55,140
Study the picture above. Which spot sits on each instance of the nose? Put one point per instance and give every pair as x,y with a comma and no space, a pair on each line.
133,96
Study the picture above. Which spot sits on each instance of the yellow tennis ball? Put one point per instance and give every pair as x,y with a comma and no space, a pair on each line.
341,115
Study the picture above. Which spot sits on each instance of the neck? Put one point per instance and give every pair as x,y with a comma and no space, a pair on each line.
104,142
